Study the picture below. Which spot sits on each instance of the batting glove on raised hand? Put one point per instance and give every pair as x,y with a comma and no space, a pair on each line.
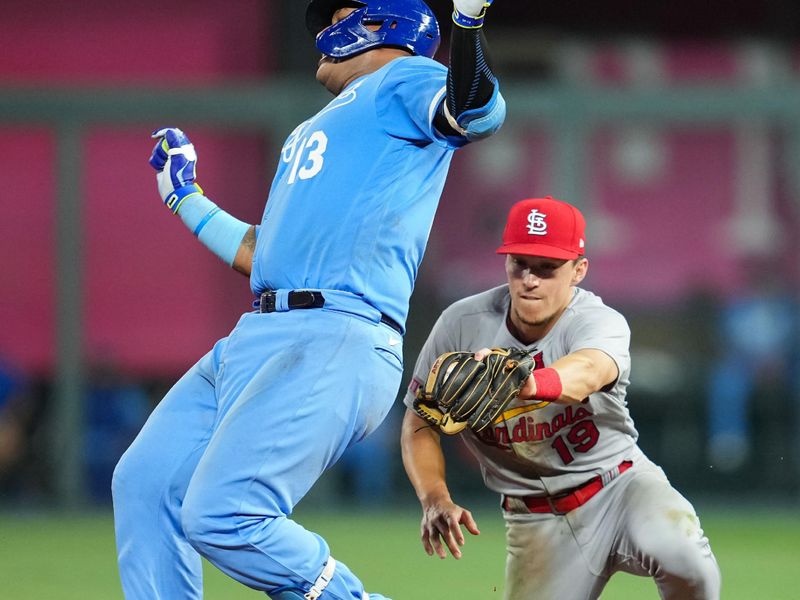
470,13
174,159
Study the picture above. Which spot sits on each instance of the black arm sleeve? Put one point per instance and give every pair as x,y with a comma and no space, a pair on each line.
470,80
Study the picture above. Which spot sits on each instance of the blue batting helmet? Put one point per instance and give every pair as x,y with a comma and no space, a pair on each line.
406,24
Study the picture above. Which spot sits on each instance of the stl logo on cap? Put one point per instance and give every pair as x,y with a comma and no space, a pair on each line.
536,223
544,227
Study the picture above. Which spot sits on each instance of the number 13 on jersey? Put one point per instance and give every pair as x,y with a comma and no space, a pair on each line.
306,154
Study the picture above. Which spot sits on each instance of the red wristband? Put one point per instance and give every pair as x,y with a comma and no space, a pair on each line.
548,384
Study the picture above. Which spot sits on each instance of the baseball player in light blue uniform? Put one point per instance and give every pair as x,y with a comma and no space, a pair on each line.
242,437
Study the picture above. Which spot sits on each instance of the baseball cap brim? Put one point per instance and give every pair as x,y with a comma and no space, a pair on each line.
543,250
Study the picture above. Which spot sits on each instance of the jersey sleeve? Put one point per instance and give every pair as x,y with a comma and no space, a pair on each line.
407,100
602,328
439,341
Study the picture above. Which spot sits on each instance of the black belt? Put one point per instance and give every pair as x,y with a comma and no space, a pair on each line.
308,299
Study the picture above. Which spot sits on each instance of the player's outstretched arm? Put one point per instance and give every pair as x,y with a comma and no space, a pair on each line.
174,159
569,379
425,466
473,107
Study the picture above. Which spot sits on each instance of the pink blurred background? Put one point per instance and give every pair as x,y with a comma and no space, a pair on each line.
672,211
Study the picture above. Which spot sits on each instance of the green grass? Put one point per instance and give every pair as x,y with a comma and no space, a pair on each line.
49,555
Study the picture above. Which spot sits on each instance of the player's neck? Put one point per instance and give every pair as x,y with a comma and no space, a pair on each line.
527,334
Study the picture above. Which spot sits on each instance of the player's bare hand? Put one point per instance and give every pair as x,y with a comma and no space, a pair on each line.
441,526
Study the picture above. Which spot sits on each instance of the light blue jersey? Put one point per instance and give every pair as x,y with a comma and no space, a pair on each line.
244,435
351,207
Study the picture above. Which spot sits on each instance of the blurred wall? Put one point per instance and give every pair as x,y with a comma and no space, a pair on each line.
154,300
684,217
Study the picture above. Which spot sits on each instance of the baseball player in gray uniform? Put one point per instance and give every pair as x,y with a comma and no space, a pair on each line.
580,499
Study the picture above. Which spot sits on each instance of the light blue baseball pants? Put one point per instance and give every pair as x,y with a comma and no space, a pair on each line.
239,440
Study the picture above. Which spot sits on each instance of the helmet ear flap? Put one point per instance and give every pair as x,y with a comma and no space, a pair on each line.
320,12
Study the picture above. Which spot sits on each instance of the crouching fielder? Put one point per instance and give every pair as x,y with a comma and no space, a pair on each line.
580,499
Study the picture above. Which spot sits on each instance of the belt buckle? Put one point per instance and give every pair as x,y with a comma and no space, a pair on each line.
267,301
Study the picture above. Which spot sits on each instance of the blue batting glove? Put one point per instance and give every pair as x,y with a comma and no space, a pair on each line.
470,13
174,160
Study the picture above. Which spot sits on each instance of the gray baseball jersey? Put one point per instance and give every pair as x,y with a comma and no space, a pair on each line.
542,447
638,523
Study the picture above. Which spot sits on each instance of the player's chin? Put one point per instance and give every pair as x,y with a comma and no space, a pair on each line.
532,313
327,62
535,320
324,59
326,73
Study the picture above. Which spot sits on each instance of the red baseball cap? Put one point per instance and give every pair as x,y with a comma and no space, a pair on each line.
544,227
